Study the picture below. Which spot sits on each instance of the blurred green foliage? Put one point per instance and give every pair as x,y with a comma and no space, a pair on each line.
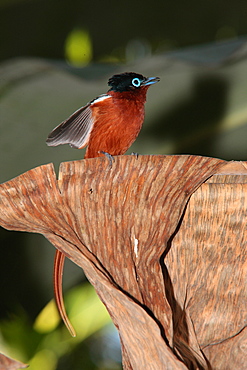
78,48
42,344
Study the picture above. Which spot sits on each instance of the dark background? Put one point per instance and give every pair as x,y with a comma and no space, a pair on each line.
198,48
39,28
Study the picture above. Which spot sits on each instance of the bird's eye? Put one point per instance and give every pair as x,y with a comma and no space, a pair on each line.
136,82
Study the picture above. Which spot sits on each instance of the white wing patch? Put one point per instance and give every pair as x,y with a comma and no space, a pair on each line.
100,98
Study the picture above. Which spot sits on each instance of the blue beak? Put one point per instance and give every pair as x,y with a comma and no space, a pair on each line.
150,81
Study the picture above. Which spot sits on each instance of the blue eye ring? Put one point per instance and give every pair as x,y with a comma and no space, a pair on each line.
136,82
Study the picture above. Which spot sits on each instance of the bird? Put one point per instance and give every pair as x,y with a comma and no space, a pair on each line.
107,125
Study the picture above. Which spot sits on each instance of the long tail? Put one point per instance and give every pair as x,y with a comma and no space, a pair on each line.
58,273
58,290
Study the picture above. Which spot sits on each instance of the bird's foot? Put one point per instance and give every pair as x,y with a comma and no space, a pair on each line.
135,154
109,157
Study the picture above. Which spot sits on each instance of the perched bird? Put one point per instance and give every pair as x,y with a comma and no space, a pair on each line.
108,125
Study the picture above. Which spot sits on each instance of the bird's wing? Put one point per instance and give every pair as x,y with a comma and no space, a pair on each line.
75,130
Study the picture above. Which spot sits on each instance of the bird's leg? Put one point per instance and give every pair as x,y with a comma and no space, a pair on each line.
135,154
109,157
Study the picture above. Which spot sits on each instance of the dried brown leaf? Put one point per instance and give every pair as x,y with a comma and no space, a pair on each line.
123,225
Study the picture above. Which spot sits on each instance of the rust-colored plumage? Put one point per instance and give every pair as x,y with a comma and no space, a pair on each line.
117,123
107,124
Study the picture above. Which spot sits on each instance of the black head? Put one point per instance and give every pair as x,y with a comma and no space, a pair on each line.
130,81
